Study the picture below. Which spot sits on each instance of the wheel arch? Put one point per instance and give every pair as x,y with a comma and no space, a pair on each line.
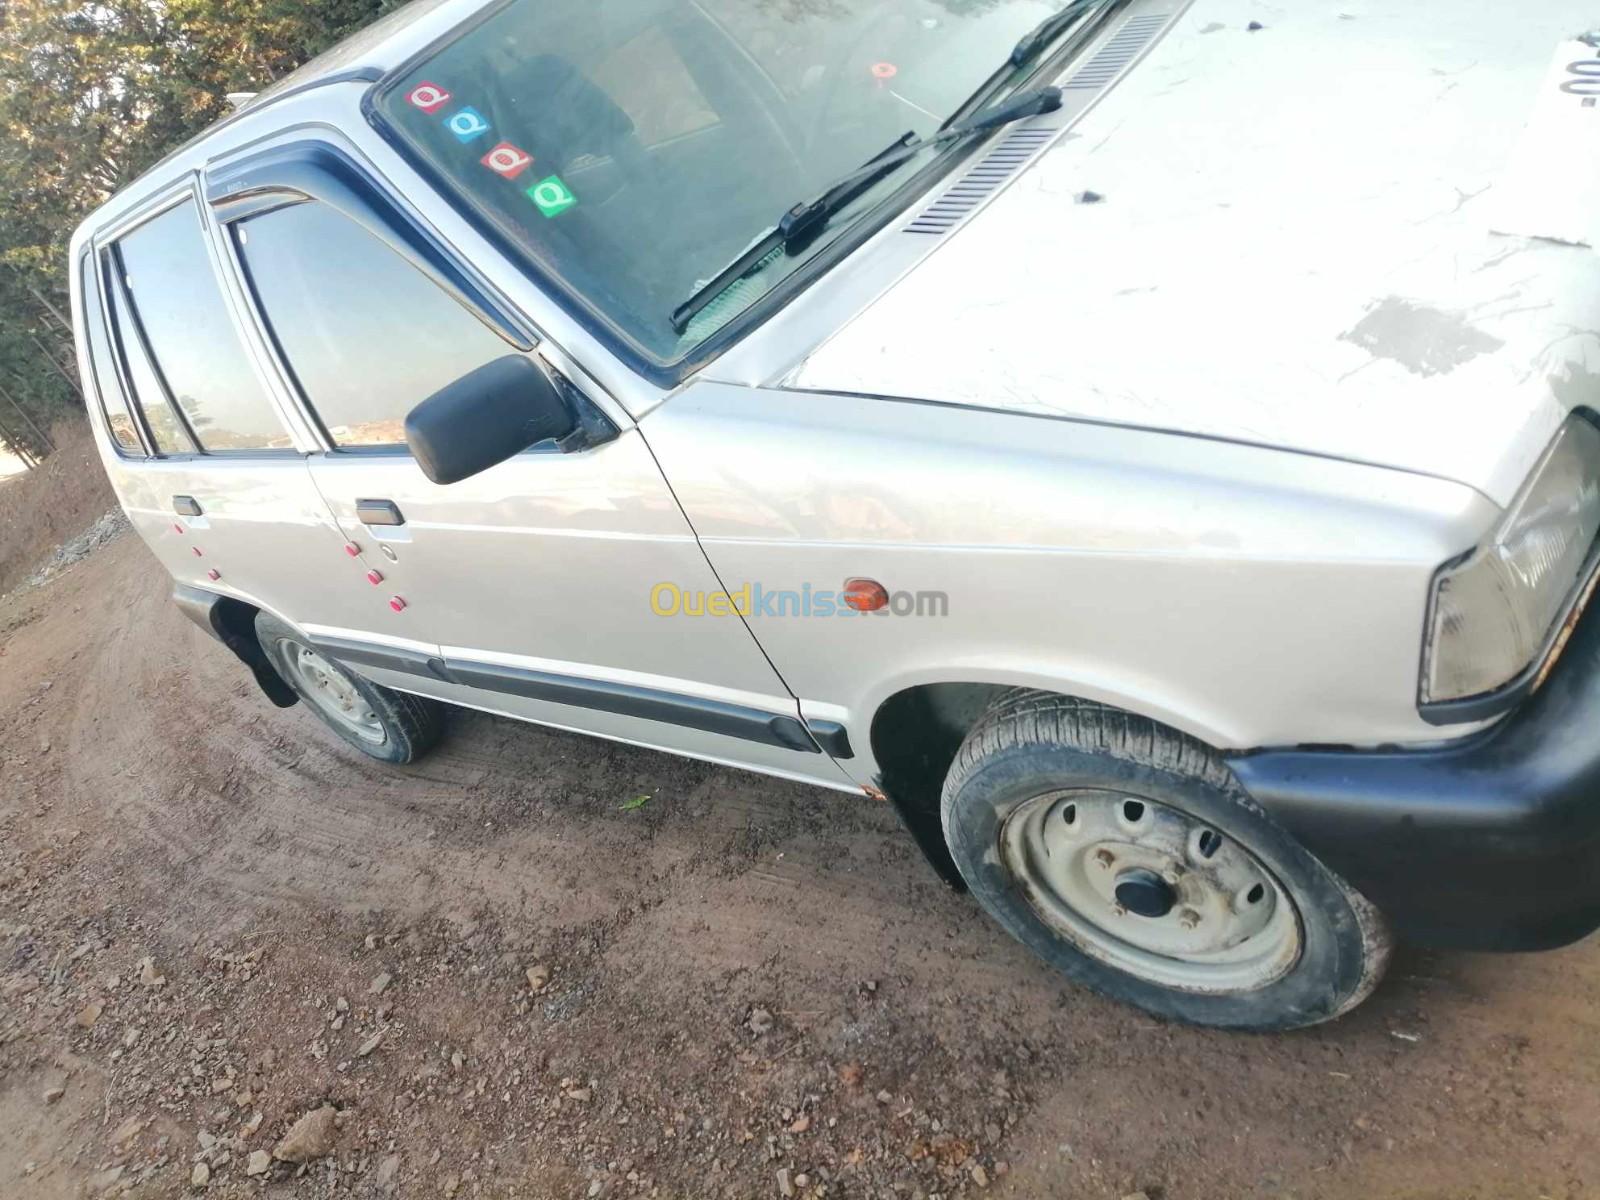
233,623
914,735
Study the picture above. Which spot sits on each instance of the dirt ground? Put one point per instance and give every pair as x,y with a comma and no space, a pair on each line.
214,919
41,508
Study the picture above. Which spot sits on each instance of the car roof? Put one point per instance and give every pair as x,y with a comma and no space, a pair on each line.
367,54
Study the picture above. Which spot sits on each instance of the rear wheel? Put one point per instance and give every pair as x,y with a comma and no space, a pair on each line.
1126,856
392,727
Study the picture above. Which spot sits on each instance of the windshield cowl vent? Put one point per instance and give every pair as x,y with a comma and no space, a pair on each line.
1117,54
1025,143
1013,153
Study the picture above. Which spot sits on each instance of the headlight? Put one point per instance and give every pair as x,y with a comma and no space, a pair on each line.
1494,611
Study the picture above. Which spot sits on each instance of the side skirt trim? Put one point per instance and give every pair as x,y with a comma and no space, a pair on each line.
601,695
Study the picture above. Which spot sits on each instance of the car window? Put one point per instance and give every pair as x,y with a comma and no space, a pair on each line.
167,430
112,402
366,335
181,310
631,148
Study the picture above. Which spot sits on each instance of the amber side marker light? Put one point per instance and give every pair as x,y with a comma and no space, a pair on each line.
865,595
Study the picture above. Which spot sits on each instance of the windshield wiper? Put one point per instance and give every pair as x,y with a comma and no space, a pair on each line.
1033,43
799,227
1030,46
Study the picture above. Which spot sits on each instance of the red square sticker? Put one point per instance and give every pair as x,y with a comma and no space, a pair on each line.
428,96
506,159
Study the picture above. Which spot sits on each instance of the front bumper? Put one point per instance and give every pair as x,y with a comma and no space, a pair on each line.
1489,843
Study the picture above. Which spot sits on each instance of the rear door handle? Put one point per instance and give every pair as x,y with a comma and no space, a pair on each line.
379,512
186,506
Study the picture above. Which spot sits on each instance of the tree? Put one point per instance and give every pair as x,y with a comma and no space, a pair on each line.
92,93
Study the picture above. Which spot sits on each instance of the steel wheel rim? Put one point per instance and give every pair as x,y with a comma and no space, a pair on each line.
1148,889
333,695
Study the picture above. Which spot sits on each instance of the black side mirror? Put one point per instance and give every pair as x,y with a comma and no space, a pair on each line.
486,417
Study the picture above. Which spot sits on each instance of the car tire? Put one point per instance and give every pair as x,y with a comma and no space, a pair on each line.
1127,857
390,726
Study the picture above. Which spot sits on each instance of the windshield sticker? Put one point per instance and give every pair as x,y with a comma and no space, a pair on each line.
467,124
552,196
507,160
429,97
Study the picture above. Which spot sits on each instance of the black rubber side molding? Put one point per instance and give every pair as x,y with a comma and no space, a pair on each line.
672,708
601,695
388,658
832,737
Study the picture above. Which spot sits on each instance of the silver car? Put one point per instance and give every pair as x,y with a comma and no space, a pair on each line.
1151,445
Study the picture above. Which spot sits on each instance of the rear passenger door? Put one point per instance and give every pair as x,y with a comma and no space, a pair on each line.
210,464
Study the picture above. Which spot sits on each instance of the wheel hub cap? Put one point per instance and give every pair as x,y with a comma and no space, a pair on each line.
1144,893
334,696
1151,890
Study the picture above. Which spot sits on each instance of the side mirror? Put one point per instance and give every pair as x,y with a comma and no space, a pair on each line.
486,417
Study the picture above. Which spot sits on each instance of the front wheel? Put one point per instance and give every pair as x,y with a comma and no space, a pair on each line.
392,727
1126,856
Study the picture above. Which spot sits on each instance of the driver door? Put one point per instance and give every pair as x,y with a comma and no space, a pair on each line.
535,578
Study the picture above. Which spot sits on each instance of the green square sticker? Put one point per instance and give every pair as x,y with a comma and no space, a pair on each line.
552,196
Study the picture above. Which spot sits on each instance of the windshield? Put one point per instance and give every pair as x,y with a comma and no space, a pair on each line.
633,147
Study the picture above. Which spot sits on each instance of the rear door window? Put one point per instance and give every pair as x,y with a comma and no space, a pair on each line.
366,335
168,433
178,306
105,384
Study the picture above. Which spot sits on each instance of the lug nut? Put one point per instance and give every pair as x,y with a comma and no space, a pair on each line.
1188,918
1105,858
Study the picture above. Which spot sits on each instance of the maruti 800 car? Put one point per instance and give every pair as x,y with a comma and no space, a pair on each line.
1153,445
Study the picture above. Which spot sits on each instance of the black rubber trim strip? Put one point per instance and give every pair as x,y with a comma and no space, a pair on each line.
388,658
832,737
672,708
651,704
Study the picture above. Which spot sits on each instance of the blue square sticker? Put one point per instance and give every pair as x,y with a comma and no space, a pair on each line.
466,124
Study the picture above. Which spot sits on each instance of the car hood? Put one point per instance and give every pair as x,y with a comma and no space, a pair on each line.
1332,233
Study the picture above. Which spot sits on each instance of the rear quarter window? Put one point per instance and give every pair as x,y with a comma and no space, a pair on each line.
195,349
105,386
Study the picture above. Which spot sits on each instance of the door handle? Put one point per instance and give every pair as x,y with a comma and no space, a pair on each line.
186,506
379,512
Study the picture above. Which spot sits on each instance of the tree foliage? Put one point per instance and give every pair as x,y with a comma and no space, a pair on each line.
92,92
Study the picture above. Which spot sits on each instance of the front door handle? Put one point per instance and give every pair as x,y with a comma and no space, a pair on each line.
186,506
379,512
